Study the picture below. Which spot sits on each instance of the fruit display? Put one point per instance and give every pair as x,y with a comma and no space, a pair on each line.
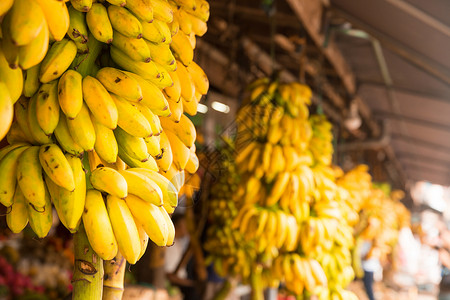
94,97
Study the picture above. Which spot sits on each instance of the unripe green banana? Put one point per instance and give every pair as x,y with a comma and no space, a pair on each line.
135,147
56,166
119,83
30,179
47,107
65,140
124,22
131,119
82,130
70,93
27,20
57,60
98,22
41,220
8,178
105,143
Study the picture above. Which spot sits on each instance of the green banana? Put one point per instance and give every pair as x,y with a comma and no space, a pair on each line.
78,30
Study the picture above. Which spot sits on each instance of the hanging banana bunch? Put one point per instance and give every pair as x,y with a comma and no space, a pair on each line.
101,87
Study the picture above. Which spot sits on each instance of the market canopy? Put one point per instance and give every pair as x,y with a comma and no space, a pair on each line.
388,58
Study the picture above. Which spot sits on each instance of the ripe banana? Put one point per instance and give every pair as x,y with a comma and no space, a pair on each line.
119,83
174,92
57,17
135,49
41,220
152,119
182,48
184,129
143,187
17,218
65,140
98,22
31,81
186,82
156,32
57,60
134,163
161,54
124,22
27,20
105,143
162,11
153,146
98,226
141,9
70,93
82,130
5,6
34,52
170,227
56,166
82,5
8,179
47,107
134,147
165,160
12,78
78,30
110,181
6,110
180,152
199,78
131,119
143,237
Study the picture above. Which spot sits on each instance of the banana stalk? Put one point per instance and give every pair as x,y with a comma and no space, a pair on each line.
84,63
113,279
88,270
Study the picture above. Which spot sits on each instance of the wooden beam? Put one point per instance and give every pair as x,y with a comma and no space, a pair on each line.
421,142
416,121
403,155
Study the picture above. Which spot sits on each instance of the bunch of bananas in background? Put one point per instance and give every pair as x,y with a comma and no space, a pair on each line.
100,87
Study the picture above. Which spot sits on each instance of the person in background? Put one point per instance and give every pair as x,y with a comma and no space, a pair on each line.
370,261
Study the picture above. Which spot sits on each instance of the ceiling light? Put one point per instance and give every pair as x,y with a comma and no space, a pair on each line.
218,106
201,108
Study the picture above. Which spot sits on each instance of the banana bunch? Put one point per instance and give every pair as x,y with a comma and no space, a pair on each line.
101,87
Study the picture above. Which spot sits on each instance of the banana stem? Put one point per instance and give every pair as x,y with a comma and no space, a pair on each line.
256,284
88,270
84,63
113,279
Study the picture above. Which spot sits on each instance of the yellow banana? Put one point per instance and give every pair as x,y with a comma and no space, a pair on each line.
8,177
12,78
33,125
153,146
170,227
124,22
105,143
98,22
29,177
199,78
16,135
120,3
180,152
135,49
124,228
119,83
193,163
100,103
21,118
199,27
174,92
57,60
82,130
33,53
184,129
156,32
47,107
82,5
162,10
56,166
5,150
143,187
41,220
165,160
57,17
6,110
278,188
169,191
151,219
153,98
143,237
134,163
10,49
162,54
176,109
134,147
27,20
110,181
5,6
186,82
31,81
98,226
184,20
182,48
186,4
17,218
64,138
70,93
131,119
141,9
174,26
152,119
78,30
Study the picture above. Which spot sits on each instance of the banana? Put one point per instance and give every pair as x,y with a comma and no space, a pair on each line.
98,23
170,226
169,191
8,179
143,187
186,82
185,21
162,10
152,97
124,227
82,130
180,152
124,22
65,140
105,143
82,5
131,119
119,83
47,107
153,146
29,177
16,135
165,160
162,54
70,93
10,49
318,272
176,109
187,4
174,26
5,150
199,27
174,92
27,20
135,147
184,129
98,226
33,125
156,32
56,166
182,49
110,181
21,118
278,188
135,49
31,81
199,78
193,163
57,17
134,163
6,110
152,119
78,30
141,9
57,60
100,103
151,219
13,78
17,218
143,237
41,220
5,6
